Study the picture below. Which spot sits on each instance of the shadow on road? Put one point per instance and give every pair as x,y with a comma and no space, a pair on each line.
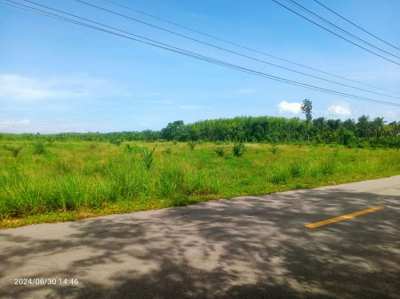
245,248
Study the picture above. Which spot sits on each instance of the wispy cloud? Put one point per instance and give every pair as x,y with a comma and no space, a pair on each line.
25,88
14,125
290,107
342,110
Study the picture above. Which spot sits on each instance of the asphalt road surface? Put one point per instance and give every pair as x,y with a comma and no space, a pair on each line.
249,247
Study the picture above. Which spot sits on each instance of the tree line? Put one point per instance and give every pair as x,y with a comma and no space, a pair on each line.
361,132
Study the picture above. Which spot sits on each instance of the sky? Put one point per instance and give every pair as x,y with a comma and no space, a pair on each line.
60,77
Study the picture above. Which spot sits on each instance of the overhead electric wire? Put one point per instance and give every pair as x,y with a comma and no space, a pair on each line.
356,25
141,39
15,6
343,30
235,44
229,50
335,33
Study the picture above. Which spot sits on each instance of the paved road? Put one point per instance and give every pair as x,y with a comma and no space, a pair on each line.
250,247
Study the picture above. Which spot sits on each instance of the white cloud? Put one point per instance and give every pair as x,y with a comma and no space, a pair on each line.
291,107
340,110
29,89
11,125
52,126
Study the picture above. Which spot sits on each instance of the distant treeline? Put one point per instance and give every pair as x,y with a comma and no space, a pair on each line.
363,132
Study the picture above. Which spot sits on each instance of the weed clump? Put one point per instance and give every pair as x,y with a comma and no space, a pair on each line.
148,157
296,170
279,176
14,150
328,167
128,148
39,148
274,150
220,151
192,145
238,149
171,182
116,142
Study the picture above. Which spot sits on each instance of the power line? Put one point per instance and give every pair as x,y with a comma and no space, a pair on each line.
356,25
335,33
235,44
229,50
191,53
343,30
141,39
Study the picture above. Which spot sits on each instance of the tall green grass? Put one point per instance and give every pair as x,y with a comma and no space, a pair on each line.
82,176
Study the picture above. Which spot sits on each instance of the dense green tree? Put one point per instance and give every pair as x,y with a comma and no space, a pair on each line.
174,130
306,107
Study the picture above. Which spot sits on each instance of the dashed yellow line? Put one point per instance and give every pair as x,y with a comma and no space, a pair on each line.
343,217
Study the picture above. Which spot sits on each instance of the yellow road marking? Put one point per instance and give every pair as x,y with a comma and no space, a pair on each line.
343,217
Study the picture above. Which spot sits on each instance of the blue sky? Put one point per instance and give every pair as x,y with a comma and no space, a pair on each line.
58,77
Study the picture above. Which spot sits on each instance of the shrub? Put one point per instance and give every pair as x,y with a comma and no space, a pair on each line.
238,149
39,148
347,138
220,151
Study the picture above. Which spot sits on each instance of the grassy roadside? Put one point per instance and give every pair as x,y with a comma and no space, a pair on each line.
63,181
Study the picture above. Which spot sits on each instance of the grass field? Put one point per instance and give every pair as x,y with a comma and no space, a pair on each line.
44,182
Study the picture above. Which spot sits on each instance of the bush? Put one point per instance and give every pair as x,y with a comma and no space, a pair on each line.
347,138
39,148
238,149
